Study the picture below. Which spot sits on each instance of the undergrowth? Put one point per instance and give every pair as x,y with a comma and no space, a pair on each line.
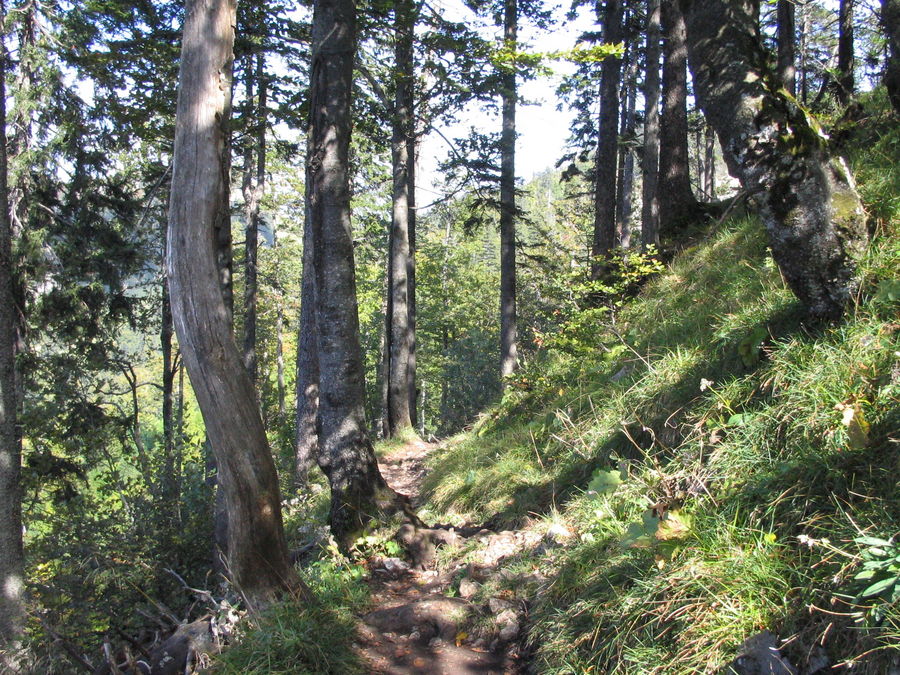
726,468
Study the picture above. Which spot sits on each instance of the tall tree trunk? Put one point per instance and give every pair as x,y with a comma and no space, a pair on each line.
411,154
397,347
803,45
846,85
358,491
677,204
509,97
786,38
166,332
257,552
253,188
607,143
306,438
650,161
890,23
807,198
12,563
626,155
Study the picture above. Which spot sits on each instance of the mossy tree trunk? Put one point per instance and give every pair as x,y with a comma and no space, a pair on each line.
806,195
509,95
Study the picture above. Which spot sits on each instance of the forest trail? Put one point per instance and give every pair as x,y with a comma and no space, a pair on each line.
423,619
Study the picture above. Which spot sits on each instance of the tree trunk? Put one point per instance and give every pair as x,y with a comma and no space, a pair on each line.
890,22
358,492
166,331
710,163
677,204
306,441
397,346
607,144
846,85
411,153
786,36
807,198
12,563
257,553
509,97
626,156
650,161
253,193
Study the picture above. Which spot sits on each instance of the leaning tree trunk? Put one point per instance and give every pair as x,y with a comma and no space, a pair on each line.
806,195
509,96
358,492
677,204
257,553
397,346
607,144
890,22
650,159
11,555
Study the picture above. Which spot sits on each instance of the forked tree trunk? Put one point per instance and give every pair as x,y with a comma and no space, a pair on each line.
890,22
257,554
398,339
358,492
509,96
650,160
607,144
677,203
806,195
12,564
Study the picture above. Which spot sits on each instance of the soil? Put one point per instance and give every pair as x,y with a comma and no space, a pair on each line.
417,623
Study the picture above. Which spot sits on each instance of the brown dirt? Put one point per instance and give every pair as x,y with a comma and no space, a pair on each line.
414,626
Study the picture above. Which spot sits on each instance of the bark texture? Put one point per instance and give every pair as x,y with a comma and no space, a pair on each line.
398,337
806,196
890,22
12,563
257,554
509,96
846,85
650,160
306,441
607,142
786,53
677,203
358,492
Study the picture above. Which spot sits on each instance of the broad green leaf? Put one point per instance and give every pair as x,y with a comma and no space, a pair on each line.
872,541
604,482
878,587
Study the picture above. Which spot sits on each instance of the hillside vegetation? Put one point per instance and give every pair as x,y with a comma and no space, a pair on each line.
723,468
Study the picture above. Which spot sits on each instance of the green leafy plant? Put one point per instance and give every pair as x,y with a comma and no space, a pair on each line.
878,582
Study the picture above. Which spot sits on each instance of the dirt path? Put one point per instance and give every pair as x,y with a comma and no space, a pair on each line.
417,625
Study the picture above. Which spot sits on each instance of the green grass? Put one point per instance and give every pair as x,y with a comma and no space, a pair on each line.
294,638
769,445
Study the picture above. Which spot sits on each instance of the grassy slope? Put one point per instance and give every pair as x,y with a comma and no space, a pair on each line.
796,441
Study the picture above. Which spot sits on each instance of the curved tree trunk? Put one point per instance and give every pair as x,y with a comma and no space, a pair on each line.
257,553
677,204
806,196
358,492
650,160
607,144
12,563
